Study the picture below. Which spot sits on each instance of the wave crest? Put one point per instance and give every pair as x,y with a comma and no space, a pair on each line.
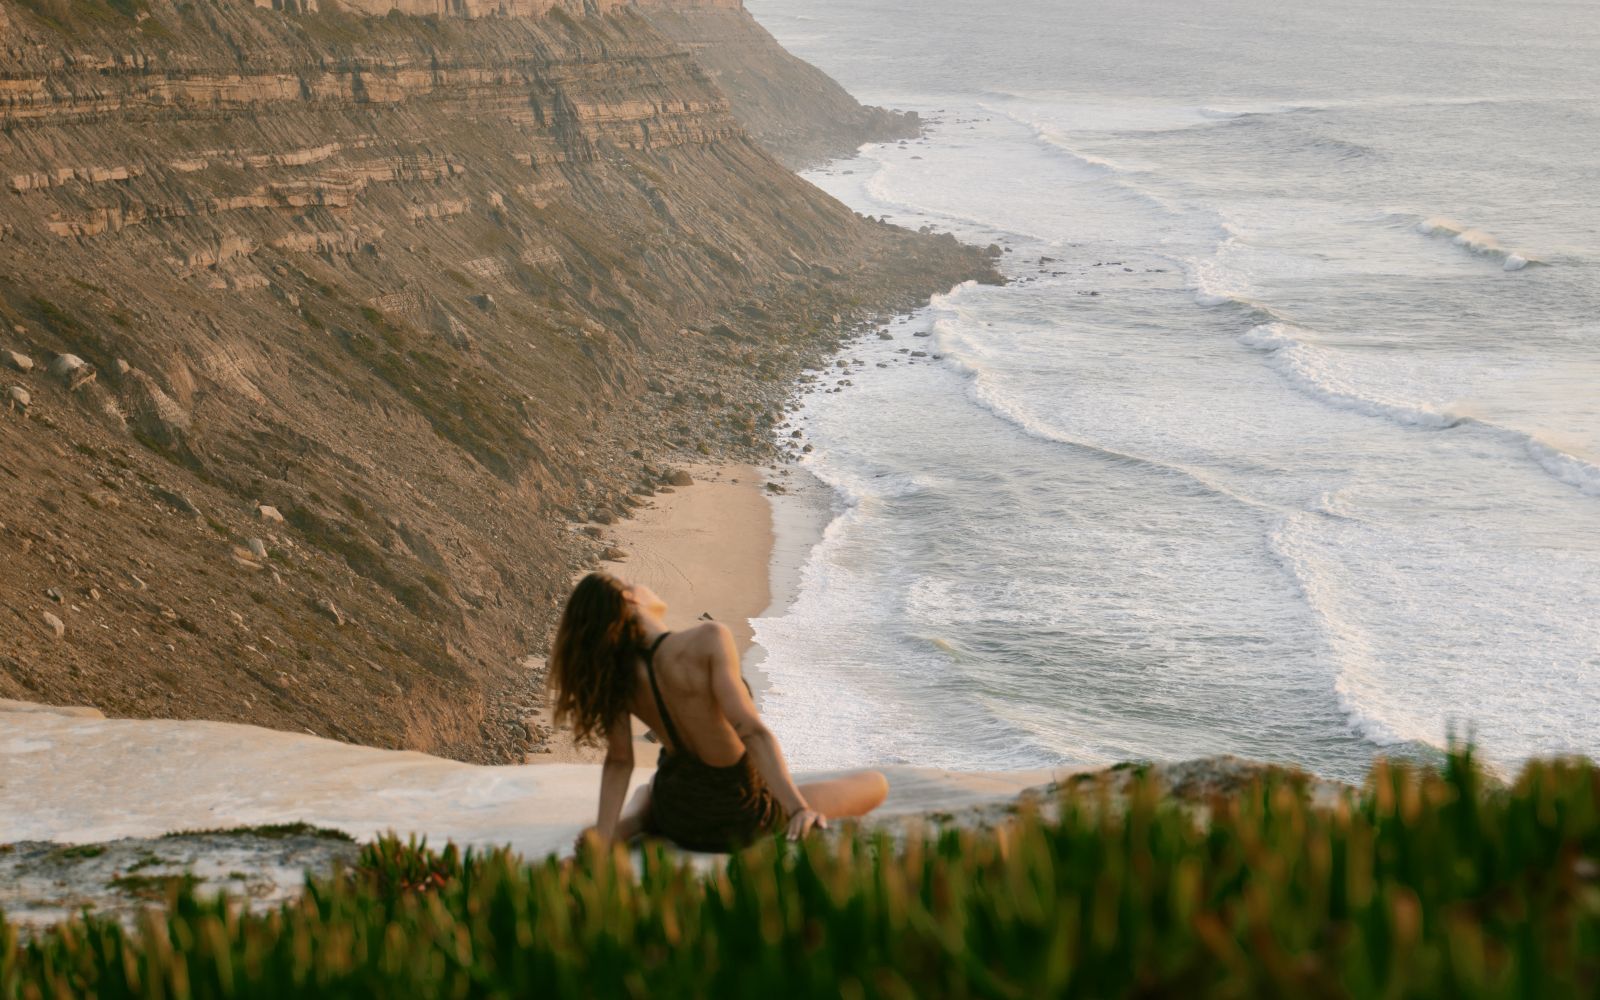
1312,369
1476,241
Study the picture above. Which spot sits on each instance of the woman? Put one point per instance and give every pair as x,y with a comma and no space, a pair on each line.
721,781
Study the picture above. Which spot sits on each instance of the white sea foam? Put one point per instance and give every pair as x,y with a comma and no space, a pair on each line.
1348,651
1476,241
1581,474
1315,371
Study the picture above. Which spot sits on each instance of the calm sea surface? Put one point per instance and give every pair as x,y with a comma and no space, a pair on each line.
1284,439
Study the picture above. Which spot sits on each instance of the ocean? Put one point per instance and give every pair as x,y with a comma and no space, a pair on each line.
1283,439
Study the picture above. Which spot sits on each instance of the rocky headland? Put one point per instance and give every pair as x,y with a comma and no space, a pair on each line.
795,110
323,329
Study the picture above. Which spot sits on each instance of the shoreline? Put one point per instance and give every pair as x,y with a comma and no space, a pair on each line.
800,515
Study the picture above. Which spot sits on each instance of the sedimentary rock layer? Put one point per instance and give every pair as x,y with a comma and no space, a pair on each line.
367,314
794,109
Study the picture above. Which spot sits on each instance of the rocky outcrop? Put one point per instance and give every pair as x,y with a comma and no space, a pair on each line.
436,289
792,108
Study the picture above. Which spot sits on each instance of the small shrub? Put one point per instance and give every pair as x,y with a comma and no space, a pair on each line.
156,887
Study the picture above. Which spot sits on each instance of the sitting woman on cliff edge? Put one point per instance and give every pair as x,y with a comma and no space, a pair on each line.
721,781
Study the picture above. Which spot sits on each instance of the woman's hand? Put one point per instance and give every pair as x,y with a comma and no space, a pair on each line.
804,821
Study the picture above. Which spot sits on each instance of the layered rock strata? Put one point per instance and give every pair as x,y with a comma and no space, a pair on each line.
794,109
432,291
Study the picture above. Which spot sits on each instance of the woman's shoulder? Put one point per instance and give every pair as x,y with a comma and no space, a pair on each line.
703,639
706,635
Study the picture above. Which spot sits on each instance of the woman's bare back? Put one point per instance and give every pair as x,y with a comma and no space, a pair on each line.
683,665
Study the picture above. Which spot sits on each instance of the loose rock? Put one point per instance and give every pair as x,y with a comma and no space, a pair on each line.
54,624
614,554
269,514
21,362
328,608
177,501
677,477
72,370
257,548
17,398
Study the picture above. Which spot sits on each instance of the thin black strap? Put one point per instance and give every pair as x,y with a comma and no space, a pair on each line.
661,705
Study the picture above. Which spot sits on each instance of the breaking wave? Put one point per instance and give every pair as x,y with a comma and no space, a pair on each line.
1478,242
1313,370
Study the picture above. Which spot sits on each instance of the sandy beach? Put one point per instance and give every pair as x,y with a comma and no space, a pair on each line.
706,548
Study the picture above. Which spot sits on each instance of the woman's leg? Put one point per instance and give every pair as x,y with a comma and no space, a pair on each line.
851,795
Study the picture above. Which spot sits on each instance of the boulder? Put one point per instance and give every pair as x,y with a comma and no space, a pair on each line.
17,398
257,548
677,477
885,335
72,370
614,554
328,608
54,624
271,514
21,362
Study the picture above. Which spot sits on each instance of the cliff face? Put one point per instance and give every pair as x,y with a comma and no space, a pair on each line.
792,108
339,325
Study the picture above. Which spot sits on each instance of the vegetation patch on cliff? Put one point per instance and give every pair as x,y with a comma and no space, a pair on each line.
1425,884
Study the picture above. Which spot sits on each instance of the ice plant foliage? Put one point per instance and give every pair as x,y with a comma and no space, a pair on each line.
1433,883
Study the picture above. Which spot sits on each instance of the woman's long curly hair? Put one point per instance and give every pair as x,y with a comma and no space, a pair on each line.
598,644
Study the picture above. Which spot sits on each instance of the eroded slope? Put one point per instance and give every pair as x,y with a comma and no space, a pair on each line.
432,289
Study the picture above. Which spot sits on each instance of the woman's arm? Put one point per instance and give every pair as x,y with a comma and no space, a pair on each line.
614,776
734,700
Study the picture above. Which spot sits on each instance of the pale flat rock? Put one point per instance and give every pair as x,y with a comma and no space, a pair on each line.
71,711
69,778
